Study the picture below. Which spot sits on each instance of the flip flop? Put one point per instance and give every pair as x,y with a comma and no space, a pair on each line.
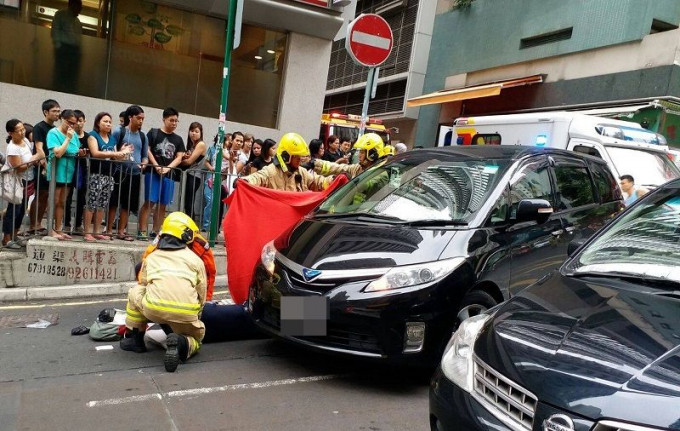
65,237
89,238
102,237
125,237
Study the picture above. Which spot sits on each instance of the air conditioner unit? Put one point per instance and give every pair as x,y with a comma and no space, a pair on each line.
391,8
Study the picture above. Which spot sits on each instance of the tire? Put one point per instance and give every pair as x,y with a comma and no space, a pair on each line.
474,303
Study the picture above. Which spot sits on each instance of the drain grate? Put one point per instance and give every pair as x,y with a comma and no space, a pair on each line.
26,319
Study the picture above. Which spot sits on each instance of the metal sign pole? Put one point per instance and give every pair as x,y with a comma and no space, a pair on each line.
217,179
367,96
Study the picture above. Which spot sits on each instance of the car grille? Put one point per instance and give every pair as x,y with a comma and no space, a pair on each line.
620,426
345,339
297,282
509,399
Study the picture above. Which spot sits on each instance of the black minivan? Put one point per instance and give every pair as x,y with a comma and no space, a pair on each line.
392,262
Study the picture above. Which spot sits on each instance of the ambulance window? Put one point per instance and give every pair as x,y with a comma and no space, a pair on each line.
486,139
587,150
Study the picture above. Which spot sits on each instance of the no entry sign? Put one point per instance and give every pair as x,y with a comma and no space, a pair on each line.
369,40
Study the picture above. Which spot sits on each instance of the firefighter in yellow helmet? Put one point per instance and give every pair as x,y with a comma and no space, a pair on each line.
171,290
286,173
371,150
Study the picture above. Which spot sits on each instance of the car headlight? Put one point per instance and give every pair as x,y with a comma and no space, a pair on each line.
413,275
267,256
457,360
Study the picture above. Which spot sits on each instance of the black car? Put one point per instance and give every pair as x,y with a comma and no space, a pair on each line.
594,346
391,263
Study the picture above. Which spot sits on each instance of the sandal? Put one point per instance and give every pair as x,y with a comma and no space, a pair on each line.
124,237
65,237
102,237
89,238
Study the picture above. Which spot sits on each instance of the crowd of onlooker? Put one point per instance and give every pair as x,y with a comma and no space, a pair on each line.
99,173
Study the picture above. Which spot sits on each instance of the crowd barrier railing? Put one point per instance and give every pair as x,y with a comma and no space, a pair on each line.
17,184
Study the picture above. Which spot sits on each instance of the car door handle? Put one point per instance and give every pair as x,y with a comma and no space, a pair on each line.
557,232
570,229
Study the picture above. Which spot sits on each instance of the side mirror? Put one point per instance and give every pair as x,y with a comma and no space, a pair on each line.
537,210
574,246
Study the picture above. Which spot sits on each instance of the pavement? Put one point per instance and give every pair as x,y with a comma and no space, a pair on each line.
49,270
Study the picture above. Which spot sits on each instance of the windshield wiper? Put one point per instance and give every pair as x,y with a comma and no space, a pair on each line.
645,279
337,215
436,222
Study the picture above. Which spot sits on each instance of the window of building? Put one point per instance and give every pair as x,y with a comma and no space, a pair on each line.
136,51
659,26
546,38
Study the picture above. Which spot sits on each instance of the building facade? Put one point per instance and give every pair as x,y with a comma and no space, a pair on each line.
490,57
169,53
401,76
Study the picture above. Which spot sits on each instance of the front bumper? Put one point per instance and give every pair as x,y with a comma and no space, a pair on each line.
366,325
452,408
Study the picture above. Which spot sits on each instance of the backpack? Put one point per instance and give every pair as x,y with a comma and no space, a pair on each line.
107,326
119,144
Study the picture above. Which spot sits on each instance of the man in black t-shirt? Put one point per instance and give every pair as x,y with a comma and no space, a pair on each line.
51,111
166,149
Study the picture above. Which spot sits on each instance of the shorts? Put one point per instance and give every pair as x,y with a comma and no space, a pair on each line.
41,182
99,192
158,189
126,186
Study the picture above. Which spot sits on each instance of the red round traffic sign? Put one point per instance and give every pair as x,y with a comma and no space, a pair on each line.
369,40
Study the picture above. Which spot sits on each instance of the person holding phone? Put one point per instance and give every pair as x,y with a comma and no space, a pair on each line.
63,145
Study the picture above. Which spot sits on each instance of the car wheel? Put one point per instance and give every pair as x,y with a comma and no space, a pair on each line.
474,303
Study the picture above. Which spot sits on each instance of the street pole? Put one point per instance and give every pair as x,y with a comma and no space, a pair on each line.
368,95
217,178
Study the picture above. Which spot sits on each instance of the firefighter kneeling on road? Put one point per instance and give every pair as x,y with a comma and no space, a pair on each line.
371,150
171,290
286,173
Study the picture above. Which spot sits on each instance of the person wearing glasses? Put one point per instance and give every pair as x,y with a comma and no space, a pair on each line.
63,145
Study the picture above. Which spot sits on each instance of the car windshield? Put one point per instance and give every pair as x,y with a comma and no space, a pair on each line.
643,242
649,168
412,191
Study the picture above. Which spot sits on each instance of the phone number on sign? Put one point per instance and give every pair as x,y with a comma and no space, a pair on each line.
39,268
92,273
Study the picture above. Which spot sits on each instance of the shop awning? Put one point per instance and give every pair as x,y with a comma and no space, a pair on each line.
473,92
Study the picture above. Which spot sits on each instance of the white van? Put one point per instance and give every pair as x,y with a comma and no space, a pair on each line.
626,147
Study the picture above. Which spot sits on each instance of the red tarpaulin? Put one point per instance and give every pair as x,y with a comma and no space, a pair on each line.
256,216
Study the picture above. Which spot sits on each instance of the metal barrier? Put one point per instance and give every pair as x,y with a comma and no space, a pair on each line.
130,189
106,199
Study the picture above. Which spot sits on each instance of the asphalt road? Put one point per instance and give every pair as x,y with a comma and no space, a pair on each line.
50,380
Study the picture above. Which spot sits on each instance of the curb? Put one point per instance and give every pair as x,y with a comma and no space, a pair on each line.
17,294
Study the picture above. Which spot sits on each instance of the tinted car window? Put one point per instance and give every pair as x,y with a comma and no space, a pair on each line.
532,181
605,183
574,187
587,150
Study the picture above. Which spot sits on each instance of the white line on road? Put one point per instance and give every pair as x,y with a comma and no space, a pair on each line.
204,391
371,40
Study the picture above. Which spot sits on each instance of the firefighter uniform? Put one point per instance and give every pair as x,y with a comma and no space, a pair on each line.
171,290
283,174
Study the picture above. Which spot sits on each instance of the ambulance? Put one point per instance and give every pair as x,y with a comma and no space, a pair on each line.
347,126
626,147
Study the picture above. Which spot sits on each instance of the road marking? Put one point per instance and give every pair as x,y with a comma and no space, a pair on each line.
66,304
205,391
371,40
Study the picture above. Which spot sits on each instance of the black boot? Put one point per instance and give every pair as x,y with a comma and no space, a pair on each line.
133,341
178,350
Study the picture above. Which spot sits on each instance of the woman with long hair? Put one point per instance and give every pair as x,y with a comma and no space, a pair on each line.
266,155
100,183
194,163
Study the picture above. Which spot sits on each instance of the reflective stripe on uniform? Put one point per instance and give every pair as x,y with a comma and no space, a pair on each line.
172,306
159,273
325,168
134,315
